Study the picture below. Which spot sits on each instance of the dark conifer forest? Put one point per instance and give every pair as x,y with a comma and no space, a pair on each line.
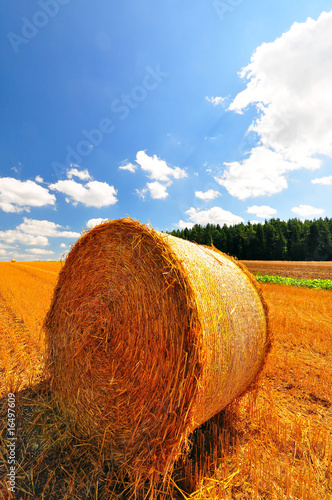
274,239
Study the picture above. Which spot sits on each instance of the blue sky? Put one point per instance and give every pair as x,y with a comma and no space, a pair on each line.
174,112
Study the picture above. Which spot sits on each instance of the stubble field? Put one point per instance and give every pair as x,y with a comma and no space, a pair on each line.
273,443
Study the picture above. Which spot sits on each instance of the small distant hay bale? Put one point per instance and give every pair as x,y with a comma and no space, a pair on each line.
149,336
13,260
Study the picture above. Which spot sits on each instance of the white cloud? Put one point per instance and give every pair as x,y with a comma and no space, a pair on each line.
39,179
142,192
4,246
157,190
93,194
289,81
214,215
158,169
81,174
45,228
63,245
18,169
35,233
128,166
14,236
18,196
94,222
216,101
39,251
307,210
182,224
211,194
263,211
262,173
326,181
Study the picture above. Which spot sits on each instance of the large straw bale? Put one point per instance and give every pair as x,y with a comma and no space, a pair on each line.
149,336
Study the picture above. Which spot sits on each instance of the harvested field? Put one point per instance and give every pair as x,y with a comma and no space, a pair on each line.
310,270
272,444
25,293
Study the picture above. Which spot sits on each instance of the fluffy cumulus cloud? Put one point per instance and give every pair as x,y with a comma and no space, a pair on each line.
45,228
214,215
263,211
289,82
19,196
35,233
262,173
158,171
128,166
94,222
157,190
325,181
208,195
81,174
15,236
92,194
307,211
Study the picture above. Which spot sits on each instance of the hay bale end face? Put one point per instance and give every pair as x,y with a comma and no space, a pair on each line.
148,336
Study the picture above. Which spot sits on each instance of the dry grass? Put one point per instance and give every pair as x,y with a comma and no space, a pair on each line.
281,446
25,293
28,304
272,444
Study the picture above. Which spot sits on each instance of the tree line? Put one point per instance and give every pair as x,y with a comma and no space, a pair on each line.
274,239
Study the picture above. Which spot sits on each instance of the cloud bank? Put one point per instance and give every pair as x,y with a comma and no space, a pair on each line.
289,83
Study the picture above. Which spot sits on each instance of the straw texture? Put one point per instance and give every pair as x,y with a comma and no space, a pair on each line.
148,336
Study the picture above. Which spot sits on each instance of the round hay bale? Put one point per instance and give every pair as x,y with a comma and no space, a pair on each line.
149,336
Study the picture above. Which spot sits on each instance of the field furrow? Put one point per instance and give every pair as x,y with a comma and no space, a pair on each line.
21,361
27,292
306,269
25,295
45,267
